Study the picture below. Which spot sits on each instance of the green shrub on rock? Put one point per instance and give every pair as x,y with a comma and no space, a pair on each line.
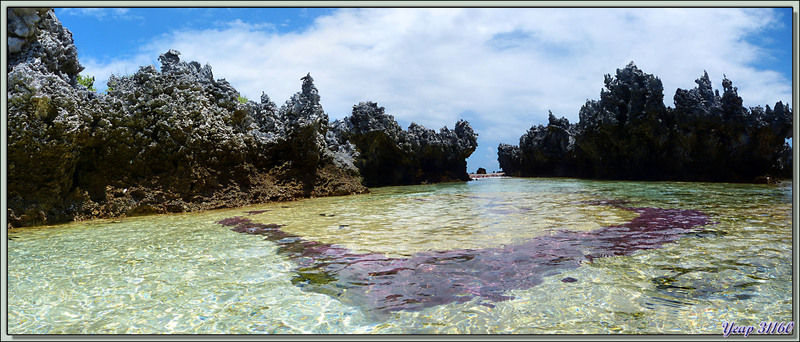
87,81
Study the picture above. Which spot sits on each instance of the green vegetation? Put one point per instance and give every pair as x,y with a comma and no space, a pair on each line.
243,99
87,81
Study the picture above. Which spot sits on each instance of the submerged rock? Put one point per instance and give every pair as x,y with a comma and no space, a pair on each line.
382,284
630,134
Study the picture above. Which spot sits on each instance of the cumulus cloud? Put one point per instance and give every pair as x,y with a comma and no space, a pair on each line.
501,69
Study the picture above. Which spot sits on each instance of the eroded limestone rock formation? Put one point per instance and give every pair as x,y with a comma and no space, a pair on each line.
389,155
160,141
177,139
45,116
630,134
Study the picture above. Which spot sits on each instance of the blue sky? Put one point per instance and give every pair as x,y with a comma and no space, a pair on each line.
500,69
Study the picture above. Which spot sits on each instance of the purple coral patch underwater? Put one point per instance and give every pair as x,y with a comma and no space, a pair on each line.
382,284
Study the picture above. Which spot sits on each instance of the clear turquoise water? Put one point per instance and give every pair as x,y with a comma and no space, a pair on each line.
187,274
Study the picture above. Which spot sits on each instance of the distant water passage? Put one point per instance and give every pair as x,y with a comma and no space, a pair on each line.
495,255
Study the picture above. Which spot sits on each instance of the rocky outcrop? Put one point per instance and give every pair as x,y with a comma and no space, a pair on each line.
630,134
388,155
547,150
172,140
717,136
45,117
22,27
37,39
177,139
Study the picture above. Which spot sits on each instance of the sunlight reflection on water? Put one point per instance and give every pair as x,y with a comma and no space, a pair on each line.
186,274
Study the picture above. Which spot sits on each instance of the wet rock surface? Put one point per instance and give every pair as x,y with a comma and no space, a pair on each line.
630,134
382,284
389,155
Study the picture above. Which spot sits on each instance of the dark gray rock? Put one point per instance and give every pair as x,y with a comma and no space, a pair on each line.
546,150
508,156
45,117
177,139
623,135
306,144
630,134
388,155
38,39
159,141
22,24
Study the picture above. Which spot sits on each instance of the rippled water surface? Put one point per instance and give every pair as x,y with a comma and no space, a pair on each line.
492,256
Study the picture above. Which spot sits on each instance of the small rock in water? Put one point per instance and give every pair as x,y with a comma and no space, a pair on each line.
710,233
254,212
569,280
343,226
289,240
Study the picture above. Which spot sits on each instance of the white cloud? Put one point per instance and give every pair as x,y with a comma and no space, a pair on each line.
101,70
99,13
506,67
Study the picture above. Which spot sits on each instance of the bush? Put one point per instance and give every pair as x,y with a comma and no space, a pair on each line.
87,81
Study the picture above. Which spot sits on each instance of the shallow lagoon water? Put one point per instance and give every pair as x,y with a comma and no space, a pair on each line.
188,274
